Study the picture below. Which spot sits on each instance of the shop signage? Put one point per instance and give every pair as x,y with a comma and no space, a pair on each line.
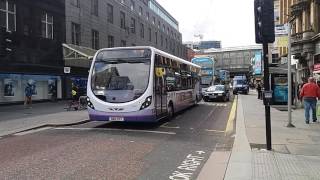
67,70
281,29
316,67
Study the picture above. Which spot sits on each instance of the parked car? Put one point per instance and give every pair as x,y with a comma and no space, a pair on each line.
221,92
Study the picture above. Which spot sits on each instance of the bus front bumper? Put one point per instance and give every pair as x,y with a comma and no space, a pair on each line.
146,115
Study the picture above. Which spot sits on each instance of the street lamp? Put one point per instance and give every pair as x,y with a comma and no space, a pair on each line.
290,125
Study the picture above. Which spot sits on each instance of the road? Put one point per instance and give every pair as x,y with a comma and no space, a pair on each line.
177,149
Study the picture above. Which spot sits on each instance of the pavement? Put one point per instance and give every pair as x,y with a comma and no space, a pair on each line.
17,118
295,151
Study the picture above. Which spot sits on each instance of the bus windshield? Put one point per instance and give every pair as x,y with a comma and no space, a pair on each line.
121,76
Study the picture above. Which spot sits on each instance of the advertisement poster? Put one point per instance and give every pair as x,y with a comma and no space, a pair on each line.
52,87
33,85
281,89
8,88
257,63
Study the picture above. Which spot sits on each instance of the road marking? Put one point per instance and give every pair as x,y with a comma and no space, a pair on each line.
31,131
111,129
188,166
170,127
166,125
232,116
212,130
215,104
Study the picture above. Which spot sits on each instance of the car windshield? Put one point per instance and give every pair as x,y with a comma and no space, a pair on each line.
122,79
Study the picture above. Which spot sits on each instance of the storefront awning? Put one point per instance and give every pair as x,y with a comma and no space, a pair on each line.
77,56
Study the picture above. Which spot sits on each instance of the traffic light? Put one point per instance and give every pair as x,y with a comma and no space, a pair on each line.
3,52
7,42
264,21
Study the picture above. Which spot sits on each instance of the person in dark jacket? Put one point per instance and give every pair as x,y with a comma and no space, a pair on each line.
259,89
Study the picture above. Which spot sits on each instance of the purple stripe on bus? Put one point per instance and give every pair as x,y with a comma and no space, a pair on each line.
139,116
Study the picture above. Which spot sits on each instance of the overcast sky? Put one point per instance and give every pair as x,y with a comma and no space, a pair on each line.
230,21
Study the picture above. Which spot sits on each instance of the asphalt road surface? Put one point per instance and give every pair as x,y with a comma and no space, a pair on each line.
177,149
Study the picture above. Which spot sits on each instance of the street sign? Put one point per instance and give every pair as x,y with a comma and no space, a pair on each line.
67,70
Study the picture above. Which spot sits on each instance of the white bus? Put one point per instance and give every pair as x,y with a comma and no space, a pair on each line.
140,84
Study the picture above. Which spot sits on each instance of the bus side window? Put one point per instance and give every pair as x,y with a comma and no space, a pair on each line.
158,60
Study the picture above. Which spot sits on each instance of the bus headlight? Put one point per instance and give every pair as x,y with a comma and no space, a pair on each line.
146,103
89,103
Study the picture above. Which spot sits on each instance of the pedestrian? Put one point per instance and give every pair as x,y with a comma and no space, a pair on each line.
28,96
259,89
309,94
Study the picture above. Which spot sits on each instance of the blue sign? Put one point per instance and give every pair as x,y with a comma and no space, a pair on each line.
257,67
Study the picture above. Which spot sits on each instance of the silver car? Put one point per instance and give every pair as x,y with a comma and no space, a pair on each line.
216,92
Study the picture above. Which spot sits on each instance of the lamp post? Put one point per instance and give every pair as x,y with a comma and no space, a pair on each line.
290,125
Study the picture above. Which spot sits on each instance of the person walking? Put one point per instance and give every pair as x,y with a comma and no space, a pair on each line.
28,96
259,89
309,94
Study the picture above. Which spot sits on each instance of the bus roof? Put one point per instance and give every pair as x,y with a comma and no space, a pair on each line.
156,50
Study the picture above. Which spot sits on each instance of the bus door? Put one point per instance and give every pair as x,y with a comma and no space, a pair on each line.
160,92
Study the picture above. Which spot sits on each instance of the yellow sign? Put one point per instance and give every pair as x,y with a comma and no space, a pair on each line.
160,72
282,41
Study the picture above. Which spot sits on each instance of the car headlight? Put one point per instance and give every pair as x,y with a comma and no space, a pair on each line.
220,94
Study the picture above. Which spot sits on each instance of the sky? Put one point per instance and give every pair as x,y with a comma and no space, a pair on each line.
228,21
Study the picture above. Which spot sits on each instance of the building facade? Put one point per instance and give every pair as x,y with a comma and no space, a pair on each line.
209,45
37,31
117,23
305,42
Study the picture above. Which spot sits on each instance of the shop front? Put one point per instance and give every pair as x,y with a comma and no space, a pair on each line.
44,87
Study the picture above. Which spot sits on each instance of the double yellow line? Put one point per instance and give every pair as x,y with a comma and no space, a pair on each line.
232,117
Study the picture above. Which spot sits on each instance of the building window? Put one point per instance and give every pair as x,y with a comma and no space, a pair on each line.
110,41
141,30
167,30
161,40
94,7
8,15
47,26
140,11
75,3
166,43
147,16
153,20
123,43
133,25
133,44
164,28
156,37
110,13
159,24
149,29
95,39
132,5
75,33
122,20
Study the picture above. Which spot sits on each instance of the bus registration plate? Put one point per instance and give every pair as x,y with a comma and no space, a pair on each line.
116,119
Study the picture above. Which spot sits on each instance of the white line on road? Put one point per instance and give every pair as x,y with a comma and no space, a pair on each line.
212,130
170,127
110,129
31,131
